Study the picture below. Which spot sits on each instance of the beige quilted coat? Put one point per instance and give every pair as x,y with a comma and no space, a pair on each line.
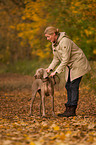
67,53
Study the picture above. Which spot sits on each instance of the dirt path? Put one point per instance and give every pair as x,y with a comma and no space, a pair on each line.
16,127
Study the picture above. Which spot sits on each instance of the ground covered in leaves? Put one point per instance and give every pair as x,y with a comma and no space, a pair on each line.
17,128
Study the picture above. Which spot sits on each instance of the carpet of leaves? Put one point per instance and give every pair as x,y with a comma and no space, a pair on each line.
17,128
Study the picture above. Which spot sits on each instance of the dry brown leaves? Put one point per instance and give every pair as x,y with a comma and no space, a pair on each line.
17,128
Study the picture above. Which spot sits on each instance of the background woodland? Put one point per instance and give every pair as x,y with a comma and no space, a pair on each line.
23,49
22,25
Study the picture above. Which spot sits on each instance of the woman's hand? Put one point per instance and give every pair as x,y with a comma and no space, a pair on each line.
48,70
53,74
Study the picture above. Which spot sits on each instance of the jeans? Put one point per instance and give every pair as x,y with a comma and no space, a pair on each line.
72,90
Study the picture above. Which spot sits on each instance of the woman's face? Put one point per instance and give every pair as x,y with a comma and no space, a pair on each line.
51,37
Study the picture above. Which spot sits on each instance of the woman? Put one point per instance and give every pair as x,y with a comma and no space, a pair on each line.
71,58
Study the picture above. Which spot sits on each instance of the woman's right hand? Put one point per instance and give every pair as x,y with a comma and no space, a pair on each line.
48,70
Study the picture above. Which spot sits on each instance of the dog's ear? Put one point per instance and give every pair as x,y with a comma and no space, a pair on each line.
45,74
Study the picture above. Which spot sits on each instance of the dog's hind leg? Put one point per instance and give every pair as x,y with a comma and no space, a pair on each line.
31,105
40,102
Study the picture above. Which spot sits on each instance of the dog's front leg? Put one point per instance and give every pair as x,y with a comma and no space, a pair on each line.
43,103
52,102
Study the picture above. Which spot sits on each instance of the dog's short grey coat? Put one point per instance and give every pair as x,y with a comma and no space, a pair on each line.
44,86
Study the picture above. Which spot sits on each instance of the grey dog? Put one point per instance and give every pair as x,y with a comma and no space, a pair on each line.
45,87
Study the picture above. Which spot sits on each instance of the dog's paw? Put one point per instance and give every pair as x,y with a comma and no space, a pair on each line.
53,114
43,116
30,115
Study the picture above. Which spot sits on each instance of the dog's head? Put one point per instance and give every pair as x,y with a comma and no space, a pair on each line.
41,73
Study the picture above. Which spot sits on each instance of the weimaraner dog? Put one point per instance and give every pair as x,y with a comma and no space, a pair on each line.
45,87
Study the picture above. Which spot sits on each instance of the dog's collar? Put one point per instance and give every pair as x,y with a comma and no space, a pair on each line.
45,79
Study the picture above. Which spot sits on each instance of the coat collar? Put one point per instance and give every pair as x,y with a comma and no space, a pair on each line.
60,36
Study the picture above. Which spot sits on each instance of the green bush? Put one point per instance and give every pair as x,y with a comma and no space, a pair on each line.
25,67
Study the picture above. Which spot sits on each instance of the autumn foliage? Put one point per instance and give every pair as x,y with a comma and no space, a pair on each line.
22,25
17,128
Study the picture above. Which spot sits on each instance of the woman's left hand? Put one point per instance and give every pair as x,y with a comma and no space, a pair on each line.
53,74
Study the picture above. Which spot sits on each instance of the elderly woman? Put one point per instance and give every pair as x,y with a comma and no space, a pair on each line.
68,56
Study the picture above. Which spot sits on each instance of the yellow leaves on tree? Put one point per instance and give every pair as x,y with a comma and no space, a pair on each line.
88,32
39,14
94,51
86,9
34,13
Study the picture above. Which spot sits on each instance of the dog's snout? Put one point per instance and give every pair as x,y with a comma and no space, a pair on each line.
46,77
35,76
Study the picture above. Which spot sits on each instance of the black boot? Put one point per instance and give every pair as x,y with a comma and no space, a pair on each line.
65,112
70,111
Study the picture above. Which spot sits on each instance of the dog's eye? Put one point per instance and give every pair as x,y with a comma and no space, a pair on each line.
39,72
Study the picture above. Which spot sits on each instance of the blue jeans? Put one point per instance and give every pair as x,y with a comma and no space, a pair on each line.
72,90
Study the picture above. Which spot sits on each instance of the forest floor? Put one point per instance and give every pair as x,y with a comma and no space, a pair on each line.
17,128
